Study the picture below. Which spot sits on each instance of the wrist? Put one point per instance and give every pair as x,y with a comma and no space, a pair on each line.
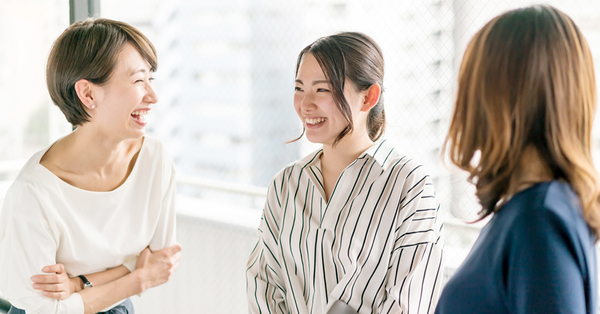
138,281
76,284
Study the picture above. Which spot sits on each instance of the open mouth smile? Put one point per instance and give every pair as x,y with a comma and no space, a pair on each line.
139,116
315,121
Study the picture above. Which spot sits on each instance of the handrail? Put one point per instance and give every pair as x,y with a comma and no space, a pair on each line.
8,166
199,182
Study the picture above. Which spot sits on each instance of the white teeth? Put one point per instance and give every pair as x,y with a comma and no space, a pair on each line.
141,112
315,121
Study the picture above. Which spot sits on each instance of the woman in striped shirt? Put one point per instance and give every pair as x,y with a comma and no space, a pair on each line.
352,227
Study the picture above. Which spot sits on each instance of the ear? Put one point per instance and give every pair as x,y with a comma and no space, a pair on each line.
84,90
372,97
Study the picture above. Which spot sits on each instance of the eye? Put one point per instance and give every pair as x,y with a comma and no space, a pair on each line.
322,90
151,79
298,89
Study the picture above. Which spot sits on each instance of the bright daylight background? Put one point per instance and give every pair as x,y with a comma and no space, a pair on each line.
225,84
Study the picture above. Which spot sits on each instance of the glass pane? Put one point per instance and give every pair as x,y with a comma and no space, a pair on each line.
29,121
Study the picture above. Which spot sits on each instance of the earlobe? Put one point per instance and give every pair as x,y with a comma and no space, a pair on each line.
84,91
372,97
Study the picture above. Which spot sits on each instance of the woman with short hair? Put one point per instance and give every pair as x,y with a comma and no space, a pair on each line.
83,209
522,127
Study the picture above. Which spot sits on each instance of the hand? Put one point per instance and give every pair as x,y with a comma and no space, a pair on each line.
58,285
157,267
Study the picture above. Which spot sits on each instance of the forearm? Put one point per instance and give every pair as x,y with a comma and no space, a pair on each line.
152,269
102,296
103,277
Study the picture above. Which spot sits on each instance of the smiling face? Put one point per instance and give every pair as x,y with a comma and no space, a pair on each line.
121,105
316,107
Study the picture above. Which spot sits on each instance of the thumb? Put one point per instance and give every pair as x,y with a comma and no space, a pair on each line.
173,249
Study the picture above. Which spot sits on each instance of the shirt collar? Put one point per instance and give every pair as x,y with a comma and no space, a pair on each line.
380,151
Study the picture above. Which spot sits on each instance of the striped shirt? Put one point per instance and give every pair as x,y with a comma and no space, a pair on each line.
375,245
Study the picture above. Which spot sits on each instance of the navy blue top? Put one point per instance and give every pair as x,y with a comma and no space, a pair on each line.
536,255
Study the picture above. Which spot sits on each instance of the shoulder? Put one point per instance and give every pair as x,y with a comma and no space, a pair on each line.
291,174
547,200
32,177
30,189
23,198
154,146
403,170
560,199
156,152
547,212
393,160
562,207
293,170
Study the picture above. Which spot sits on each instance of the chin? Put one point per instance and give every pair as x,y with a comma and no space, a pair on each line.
135,134
318,140
313,139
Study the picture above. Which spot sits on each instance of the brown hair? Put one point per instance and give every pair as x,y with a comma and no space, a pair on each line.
358,58
526,80
89,50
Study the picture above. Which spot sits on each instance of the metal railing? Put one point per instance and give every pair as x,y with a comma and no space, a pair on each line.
13,166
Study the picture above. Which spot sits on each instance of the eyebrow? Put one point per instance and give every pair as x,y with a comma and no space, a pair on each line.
314,82
138,71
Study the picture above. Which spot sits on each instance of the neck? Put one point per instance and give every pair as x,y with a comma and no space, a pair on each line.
87,150
346,151
532,169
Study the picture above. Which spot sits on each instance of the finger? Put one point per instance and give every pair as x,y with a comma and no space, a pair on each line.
49,287
46,279
173,249
57,268
177,257
54,295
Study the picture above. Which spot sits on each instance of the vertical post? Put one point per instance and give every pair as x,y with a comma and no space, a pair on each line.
82,9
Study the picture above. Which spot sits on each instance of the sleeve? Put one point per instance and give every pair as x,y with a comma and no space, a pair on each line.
164,235
414,279
130,264
543,273
27,244
266,293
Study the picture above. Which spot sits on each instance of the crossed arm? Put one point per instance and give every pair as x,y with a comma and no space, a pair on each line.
110,286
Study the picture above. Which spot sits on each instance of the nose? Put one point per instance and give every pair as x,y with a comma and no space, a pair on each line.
307,104
150,96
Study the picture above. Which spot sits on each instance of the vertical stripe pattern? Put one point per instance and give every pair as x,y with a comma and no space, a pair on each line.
375,245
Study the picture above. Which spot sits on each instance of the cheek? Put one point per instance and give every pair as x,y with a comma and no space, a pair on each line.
332,110
297,103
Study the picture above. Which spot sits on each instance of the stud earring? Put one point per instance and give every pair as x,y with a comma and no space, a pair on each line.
93,106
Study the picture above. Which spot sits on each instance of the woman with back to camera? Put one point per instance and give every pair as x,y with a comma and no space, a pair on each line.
525,107
92,201
352,227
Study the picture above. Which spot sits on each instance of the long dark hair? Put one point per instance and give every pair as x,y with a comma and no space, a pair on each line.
358,58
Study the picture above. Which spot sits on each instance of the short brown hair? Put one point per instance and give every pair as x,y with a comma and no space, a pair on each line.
526,80
89,50
357,57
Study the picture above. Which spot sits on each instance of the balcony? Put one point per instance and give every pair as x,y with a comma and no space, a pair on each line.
217,239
